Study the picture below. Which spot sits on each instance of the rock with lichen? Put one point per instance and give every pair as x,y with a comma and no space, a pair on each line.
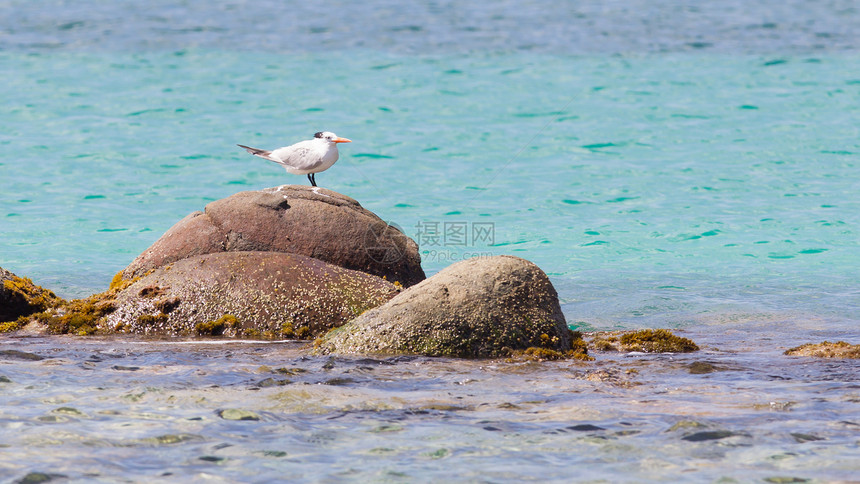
310,221
480,307
247,294
19,297
839,349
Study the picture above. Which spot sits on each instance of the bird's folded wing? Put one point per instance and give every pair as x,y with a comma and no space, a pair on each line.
297,156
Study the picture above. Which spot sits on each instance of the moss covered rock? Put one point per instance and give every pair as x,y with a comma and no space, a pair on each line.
310,221
76,316
249,294
481,307
839,349
19,297
644,340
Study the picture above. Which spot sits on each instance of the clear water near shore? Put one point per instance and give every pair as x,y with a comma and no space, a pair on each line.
668,164
119,411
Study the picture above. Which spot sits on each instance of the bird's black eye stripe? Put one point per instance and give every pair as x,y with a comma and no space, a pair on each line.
318,135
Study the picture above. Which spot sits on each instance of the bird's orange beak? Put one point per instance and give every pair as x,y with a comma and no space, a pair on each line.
342,140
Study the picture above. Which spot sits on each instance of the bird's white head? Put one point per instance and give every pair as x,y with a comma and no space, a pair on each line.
331,137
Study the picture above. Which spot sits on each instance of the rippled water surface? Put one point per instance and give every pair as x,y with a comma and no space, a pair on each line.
695,174
118,411
680,164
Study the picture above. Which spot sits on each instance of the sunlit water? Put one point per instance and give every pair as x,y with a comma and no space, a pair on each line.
677,165
118,411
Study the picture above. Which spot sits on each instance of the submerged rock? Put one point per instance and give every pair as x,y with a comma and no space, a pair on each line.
251,294
310,221
237,414
40,477
20,355
20,297
480,307
840,349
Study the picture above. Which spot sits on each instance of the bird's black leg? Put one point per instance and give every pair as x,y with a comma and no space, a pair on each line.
311,178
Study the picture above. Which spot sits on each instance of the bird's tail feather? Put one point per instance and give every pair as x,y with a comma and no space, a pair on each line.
258,152
255,151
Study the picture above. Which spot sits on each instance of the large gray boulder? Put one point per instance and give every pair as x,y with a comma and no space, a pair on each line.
480,307
309,221
251,294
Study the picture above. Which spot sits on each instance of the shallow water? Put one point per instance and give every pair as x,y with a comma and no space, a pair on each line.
669,164
124,410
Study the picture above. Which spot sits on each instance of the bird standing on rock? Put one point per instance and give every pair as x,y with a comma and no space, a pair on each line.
305,157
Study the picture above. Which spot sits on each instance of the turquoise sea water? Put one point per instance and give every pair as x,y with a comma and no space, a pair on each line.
668,164
697,179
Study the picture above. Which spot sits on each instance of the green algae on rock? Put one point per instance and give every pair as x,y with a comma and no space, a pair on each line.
644,340
826,349
56,315
20,297
535,353
226,322
478,308
78,316
578,351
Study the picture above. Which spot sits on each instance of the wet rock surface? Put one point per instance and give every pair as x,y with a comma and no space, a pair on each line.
480,307
250,294
310,221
